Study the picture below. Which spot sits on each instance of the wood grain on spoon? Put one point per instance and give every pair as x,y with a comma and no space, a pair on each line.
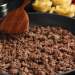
16,20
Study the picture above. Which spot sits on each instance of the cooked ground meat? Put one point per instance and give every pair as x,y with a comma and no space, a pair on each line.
41,51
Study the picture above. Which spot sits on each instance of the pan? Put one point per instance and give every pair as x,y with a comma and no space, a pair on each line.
37,18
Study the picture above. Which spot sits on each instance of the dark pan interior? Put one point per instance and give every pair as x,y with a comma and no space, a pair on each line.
52,20
13,4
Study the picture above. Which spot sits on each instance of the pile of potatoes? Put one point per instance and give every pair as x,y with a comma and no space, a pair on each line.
61,7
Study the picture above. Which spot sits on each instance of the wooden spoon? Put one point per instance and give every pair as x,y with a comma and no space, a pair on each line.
16,21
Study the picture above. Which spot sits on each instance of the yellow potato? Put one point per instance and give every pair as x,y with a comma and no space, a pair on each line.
61,7
52,9
42,5
61,2
72,8
66,10
71,14
62,10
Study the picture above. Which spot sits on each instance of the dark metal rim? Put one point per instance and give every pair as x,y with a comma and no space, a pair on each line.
5,7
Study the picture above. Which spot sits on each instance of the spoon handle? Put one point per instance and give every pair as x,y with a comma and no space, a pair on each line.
16,21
